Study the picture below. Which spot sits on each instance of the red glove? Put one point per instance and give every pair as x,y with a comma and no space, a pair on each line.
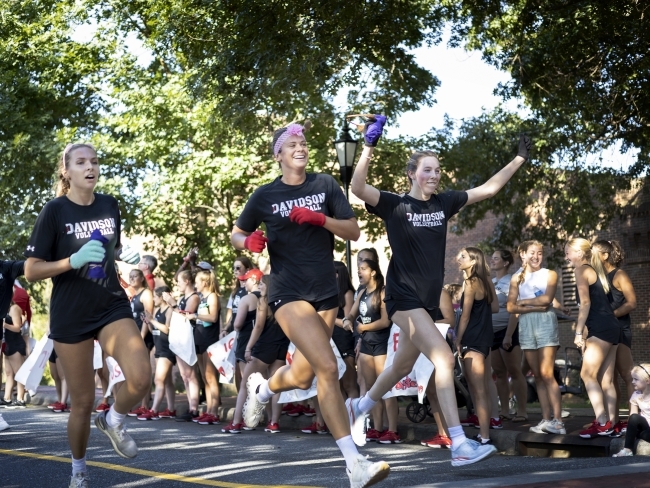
256,242
302,215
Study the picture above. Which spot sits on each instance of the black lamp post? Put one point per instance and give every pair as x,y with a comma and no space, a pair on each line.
346,151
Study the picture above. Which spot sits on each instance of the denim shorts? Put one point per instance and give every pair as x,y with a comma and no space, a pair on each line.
538,329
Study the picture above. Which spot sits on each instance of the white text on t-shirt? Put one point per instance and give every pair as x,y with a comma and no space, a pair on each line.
312,202
82,230
432,219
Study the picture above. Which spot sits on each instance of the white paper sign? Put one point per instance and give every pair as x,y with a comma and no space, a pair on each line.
415,383
222,355
31,371
300,395
116,374
97,356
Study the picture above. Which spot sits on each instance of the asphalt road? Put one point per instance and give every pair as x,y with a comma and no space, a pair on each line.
34,453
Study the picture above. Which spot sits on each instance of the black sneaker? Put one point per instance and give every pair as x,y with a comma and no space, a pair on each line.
16,404
4,403
187,416
480,440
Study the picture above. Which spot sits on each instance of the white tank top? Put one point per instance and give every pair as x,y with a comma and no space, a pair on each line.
534,284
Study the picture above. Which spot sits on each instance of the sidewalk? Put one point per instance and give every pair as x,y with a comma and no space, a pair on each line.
506,439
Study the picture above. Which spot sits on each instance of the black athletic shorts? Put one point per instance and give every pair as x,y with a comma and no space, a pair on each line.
499,335
626,335
76,339
12,348
485,350
269,353
345,344
53,356
167,355
393,305
319,306
380,349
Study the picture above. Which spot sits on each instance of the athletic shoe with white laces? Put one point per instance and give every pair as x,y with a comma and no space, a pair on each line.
539,428
555,426
365,473
79,480
357,421
122,442
3,424
253,408
470,452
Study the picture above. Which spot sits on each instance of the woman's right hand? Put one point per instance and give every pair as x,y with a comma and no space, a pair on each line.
507,342
223,334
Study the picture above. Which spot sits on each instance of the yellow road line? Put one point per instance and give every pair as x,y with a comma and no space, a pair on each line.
145,472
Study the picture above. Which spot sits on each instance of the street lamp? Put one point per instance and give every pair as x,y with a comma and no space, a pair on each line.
346,151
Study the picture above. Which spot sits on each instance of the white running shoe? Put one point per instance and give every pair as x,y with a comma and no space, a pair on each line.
79,480
539,428
365,473
623,453
555,426
122,442
3,424
357,421
470,452
253,408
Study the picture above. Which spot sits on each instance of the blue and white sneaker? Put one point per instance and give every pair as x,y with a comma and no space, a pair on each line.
470,452
253,410
357,421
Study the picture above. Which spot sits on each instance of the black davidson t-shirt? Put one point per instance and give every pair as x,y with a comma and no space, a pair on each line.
79,304
302,260
417,233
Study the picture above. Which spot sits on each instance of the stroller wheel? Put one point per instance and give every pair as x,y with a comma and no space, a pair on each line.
416,412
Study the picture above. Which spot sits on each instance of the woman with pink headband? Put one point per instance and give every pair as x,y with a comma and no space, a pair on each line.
302,213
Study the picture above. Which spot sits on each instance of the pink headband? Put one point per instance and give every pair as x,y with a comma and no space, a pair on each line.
292,130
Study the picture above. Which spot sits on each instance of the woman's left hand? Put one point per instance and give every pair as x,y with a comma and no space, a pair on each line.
247,356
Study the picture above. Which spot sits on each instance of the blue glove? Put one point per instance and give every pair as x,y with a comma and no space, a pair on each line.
374,130
90,252
129,256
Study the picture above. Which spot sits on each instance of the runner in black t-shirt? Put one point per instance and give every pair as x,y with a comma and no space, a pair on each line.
416,224
206,333
475,335
302,212
75,241
188,303
165,359
141,304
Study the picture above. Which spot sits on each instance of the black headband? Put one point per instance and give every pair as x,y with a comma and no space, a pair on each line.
646,371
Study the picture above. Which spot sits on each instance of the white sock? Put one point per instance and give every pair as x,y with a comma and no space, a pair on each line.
366,403
457,436
348,449
264,393
113,419
78,465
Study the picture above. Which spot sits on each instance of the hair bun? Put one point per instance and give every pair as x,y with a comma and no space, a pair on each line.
306,126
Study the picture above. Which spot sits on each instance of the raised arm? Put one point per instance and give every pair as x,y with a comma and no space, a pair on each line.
492,186
359,187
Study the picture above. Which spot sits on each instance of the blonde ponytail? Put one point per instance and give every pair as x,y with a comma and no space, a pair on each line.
581,244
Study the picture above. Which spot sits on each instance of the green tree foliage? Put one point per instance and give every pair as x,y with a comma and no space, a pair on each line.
47,91
582,67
